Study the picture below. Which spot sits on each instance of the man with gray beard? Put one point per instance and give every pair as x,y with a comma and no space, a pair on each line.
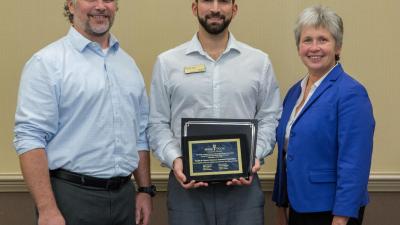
80,125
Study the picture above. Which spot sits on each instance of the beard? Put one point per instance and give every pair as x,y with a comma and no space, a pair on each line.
214,28
99,30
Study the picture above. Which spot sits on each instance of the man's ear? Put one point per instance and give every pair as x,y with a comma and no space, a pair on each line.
71,6
234,9
194,8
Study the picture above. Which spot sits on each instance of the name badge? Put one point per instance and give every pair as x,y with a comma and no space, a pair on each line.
195,69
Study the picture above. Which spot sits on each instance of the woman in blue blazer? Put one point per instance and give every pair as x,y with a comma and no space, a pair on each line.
325,134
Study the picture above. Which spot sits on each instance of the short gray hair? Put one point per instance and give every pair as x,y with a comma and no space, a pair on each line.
68,14
320,16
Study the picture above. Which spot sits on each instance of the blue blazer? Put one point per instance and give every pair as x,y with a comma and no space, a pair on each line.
329,151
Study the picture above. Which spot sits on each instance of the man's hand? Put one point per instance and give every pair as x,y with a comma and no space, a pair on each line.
340,220
34,167
143,200
50,217
180,176
241,181
144,206
281,216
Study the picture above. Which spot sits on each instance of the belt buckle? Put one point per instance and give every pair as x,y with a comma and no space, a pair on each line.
113,184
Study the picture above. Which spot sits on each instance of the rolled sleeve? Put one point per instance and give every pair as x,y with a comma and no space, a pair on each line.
142,141
37,112
25,145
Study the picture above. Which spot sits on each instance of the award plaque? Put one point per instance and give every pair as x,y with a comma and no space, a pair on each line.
218,149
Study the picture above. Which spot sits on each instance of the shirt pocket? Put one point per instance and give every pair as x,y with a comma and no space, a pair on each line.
322,176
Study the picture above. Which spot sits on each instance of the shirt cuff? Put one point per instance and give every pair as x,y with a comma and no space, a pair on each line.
22,146
142,146
263,151
172,151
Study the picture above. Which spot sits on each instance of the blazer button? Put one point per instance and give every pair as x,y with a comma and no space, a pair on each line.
289,157
292,134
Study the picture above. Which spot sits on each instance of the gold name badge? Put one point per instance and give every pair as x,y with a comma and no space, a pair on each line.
195,69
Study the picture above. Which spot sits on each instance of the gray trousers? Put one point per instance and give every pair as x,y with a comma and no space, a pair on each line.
216,204
81,205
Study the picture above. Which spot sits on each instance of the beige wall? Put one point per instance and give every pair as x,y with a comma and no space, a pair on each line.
146,28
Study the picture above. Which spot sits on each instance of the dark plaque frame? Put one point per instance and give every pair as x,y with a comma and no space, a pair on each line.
215,158
209,130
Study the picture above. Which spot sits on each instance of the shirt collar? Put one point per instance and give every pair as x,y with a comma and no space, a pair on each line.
195,45
318,82
80,42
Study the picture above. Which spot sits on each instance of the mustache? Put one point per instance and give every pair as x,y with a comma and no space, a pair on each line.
215,15
99,13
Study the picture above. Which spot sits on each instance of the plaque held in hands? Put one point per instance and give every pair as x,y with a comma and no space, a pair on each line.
218,149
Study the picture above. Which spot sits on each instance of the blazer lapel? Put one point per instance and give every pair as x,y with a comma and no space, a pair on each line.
325,85
290,103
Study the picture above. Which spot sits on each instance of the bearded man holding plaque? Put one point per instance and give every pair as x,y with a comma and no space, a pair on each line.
213,76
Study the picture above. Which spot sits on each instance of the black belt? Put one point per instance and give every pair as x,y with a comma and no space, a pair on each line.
113,183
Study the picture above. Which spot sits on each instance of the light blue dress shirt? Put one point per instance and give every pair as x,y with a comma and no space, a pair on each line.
87,108
241,84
